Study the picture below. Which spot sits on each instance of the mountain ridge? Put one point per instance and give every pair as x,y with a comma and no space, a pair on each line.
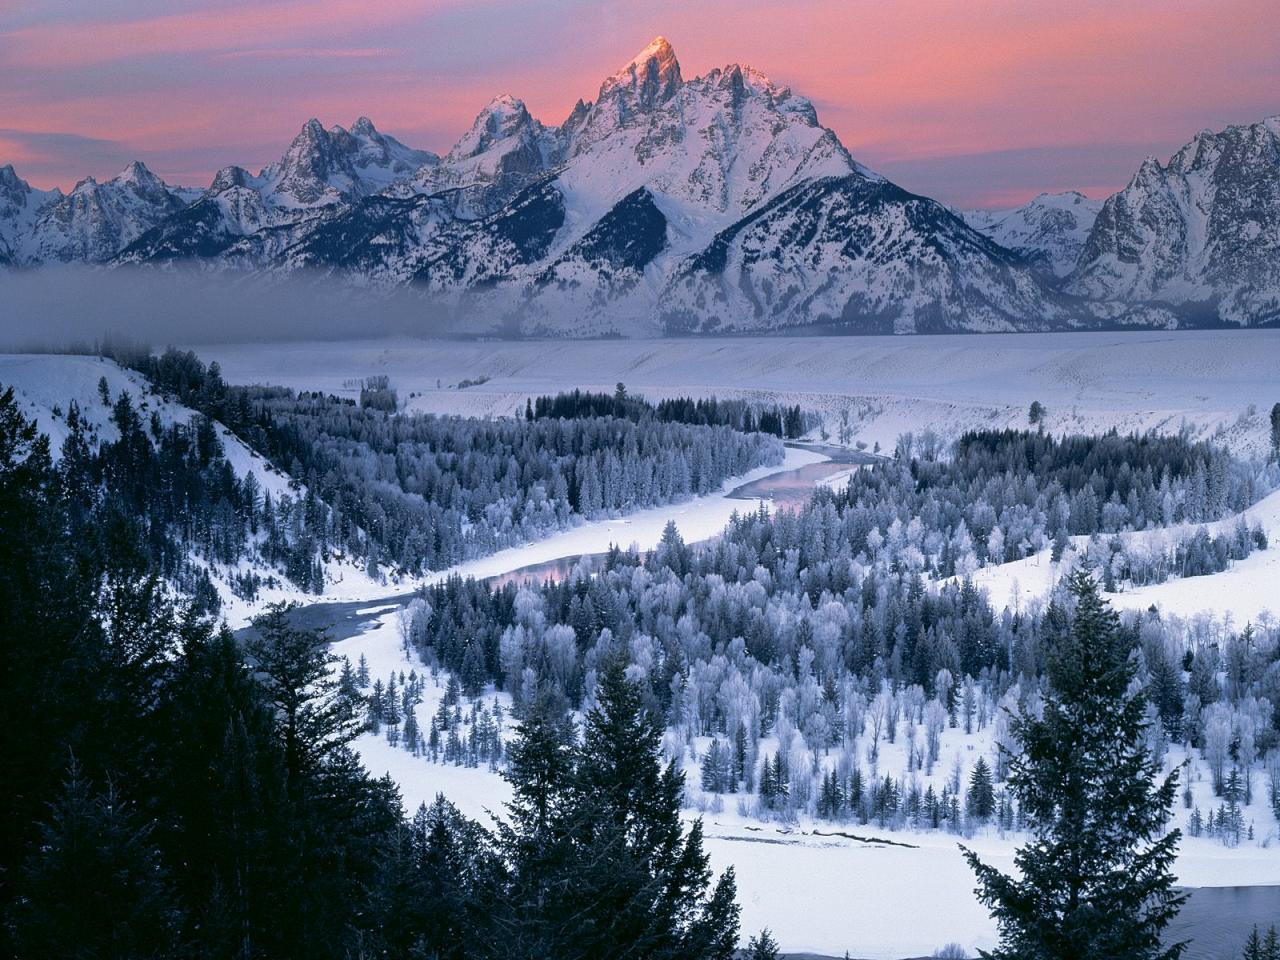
673,204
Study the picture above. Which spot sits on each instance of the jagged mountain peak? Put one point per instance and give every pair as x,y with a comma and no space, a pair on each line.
503,117
1201,232
228,177
138,177
652,76
1048,231
323,168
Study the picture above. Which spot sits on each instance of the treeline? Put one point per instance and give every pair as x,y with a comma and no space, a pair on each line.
1002,495
1140,561
418,492
789,422
170,794
426,492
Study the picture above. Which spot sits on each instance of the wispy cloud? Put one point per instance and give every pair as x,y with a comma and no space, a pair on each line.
310,53
206,31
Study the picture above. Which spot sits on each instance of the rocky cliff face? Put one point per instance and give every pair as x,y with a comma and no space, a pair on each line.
1201,233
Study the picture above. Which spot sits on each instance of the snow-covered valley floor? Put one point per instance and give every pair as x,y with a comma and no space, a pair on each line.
1089,382
904,894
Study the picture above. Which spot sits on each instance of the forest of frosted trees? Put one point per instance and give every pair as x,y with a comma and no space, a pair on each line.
792,653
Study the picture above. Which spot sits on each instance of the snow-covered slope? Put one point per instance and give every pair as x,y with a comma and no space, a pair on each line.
1201,232
856,254
46,384
1049,231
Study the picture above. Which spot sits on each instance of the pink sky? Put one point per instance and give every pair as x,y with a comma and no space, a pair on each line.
976,102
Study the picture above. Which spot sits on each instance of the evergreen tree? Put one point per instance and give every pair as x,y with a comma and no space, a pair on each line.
601,852
1253,946
1271,944
982,798
96,887
1096,881
715,769
762,946
295,663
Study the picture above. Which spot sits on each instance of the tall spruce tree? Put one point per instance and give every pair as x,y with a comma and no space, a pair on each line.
1096,879
534,840
982,797
614,872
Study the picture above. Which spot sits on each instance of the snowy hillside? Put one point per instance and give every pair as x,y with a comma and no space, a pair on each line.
1246,590
46,385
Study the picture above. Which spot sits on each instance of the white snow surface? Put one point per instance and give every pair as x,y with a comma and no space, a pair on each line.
1249,590
1090,382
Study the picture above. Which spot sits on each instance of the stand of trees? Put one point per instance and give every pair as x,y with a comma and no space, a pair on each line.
787,653
170,794
745,416
1001,495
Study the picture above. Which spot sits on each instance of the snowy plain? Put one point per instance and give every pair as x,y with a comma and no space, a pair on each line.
1089,382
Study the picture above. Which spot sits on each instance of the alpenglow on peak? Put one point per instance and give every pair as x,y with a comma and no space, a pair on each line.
653,75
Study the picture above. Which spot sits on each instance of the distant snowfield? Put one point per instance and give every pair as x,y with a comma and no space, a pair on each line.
886,385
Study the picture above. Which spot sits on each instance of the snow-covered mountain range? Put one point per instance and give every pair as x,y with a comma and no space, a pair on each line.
667,204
